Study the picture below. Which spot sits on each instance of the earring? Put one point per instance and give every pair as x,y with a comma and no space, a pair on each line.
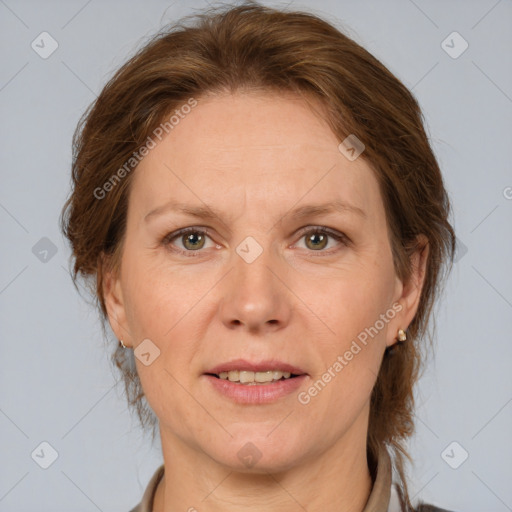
401,337
123,345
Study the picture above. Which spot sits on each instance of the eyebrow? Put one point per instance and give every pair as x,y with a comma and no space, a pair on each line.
208,212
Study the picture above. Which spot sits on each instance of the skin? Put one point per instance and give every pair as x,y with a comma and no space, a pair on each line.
255,157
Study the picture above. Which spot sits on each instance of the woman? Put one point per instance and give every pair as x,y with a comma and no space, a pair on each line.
266,226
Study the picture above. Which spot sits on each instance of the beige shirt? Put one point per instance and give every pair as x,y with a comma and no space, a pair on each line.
383,497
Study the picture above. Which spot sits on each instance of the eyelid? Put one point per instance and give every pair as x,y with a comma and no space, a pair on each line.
167,240
337,235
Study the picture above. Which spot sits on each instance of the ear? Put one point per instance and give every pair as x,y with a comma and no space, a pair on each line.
408,294
114,303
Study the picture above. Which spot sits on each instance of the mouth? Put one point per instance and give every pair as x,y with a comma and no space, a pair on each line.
251,378
255,382
252,373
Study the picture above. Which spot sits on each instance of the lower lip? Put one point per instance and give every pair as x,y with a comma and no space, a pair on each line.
256,393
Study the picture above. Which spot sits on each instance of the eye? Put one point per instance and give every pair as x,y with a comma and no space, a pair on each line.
194,239
316,239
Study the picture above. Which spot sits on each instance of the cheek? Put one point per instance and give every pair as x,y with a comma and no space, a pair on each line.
350,301
355,310
156,296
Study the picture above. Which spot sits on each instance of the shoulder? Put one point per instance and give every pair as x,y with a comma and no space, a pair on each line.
146,504
424,507
398,504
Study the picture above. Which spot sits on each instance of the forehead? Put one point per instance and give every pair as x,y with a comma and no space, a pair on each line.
265,147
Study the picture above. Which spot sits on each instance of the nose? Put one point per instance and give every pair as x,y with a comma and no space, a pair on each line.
255,296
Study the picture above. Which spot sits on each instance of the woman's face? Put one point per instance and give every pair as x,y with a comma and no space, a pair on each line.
261,290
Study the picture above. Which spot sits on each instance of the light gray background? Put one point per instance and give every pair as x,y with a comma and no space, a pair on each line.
56,382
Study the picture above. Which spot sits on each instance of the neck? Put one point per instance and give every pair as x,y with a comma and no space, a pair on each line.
338,479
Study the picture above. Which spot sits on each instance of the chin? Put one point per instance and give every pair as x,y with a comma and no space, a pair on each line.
261,453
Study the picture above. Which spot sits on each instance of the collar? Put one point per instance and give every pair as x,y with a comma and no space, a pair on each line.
384,496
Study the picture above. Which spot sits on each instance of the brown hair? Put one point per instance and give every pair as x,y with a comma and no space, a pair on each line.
255,47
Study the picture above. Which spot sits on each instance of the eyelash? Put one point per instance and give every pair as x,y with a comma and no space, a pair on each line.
339,237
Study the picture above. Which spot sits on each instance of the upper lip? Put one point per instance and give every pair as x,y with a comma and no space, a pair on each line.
260,366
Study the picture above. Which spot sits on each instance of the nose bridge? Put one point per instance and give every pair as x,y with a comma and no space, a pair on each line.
253,260
254,296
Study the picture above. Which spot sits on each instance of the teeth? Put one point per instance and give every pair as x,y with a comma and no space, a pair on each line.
264,376
247,377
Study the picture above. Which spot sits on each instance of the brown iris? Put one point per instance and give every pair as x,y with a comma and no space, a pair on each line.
322,238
